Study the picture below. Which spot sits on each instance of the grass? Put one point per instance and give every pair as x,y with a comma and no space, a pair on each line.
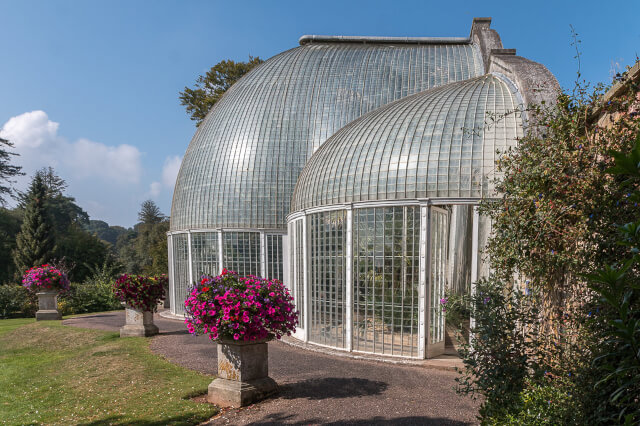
62,375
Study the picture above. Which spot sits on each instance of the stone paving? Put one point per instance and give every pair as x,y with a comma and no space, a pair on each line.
317,388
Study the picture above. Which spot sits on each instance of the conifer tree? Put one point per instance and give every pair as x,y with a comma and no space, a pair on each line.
35,243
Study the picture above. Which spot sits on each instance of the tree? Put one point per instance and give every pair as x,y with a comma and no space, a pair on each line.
7,170
150,213
9,228
62,209
210,87
35,243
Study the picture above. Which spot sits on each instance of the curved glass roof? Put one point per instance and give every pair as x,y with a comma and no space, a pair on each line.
438,143
244,160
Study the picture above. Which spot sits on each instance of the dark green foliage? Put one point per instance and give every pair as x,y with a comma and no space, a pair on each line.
7,170
614,316
81,251
502,354
210,87
35,243
10,221
16,301
127,255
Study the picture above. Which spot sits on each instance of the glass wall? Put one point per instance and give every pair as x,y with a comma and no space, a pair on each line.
386,258
204,254
180,271
327,278
242,252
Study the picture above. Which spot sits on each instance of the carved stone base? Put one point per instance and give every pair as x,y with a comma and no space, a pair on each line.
232,393
138,323
243,374
47,306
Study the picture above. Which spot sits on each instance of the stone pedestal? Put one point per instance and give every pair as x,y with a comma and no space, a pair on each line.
243,374
47,306
138,323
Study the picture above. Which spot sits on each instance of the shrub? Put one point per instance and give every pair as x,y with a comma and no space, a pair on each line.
45,277
16,301
88,297
502,353
139,291
548,402
240,308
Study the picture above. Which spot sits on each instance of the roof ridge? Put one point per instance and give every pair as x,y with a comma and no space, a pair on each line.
308,38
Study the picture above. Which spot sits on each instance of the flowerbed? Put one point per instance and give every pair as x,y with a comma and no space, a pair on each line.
45,277
240,308
139,291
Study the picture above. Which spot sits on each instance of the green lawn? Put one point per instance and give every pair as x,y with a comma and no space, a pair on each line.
62,375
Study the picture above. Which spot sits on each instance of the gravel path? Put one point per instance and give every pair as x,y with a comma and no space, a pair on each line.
316,388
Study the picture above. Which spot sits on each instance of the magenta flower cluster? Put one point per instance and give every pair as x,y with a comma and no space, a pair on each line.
140,291
45,277
240,308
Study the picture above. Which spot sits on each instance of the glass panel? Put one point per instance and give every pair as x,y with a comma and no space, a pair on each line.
327,278
242,252
439,240
204,254
181,271
274,256
386,261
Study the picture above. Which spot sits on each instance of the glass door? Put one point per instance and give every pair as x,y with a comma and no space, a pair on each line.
437,283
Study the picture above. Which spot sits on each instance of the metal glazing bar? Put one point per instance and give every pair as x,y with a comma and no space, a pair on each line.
348,281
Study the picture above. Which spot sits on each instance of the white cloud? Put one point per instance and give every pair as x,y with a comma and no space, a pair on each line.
170,171
98,174
37,141
155,189
30,130
119,163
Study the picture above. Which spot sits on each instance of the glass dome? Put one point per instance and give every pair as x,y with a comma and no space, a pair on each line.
440,143
243,162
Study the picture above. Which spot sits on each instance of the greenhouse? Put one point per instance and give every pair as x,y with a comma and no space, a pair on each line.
350,168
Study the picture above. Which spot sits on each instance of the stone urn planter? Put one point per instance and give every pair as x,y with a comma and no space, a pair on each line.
243,374
138,323
47,306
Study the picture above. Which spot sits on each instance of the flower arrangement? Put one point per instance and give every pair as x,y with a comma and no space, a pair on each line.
139,291
45,277
240,308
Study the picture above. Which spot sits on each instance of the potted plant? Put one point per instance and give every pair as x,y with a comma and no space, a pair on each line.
46,281
140,295
241,314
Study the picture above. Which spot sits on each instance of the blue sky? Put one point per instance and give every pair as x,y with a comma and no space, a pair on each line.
91,87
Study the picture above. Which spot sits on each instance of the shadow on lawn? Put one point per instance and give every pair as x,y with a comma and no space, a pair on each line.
332,387
119,421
